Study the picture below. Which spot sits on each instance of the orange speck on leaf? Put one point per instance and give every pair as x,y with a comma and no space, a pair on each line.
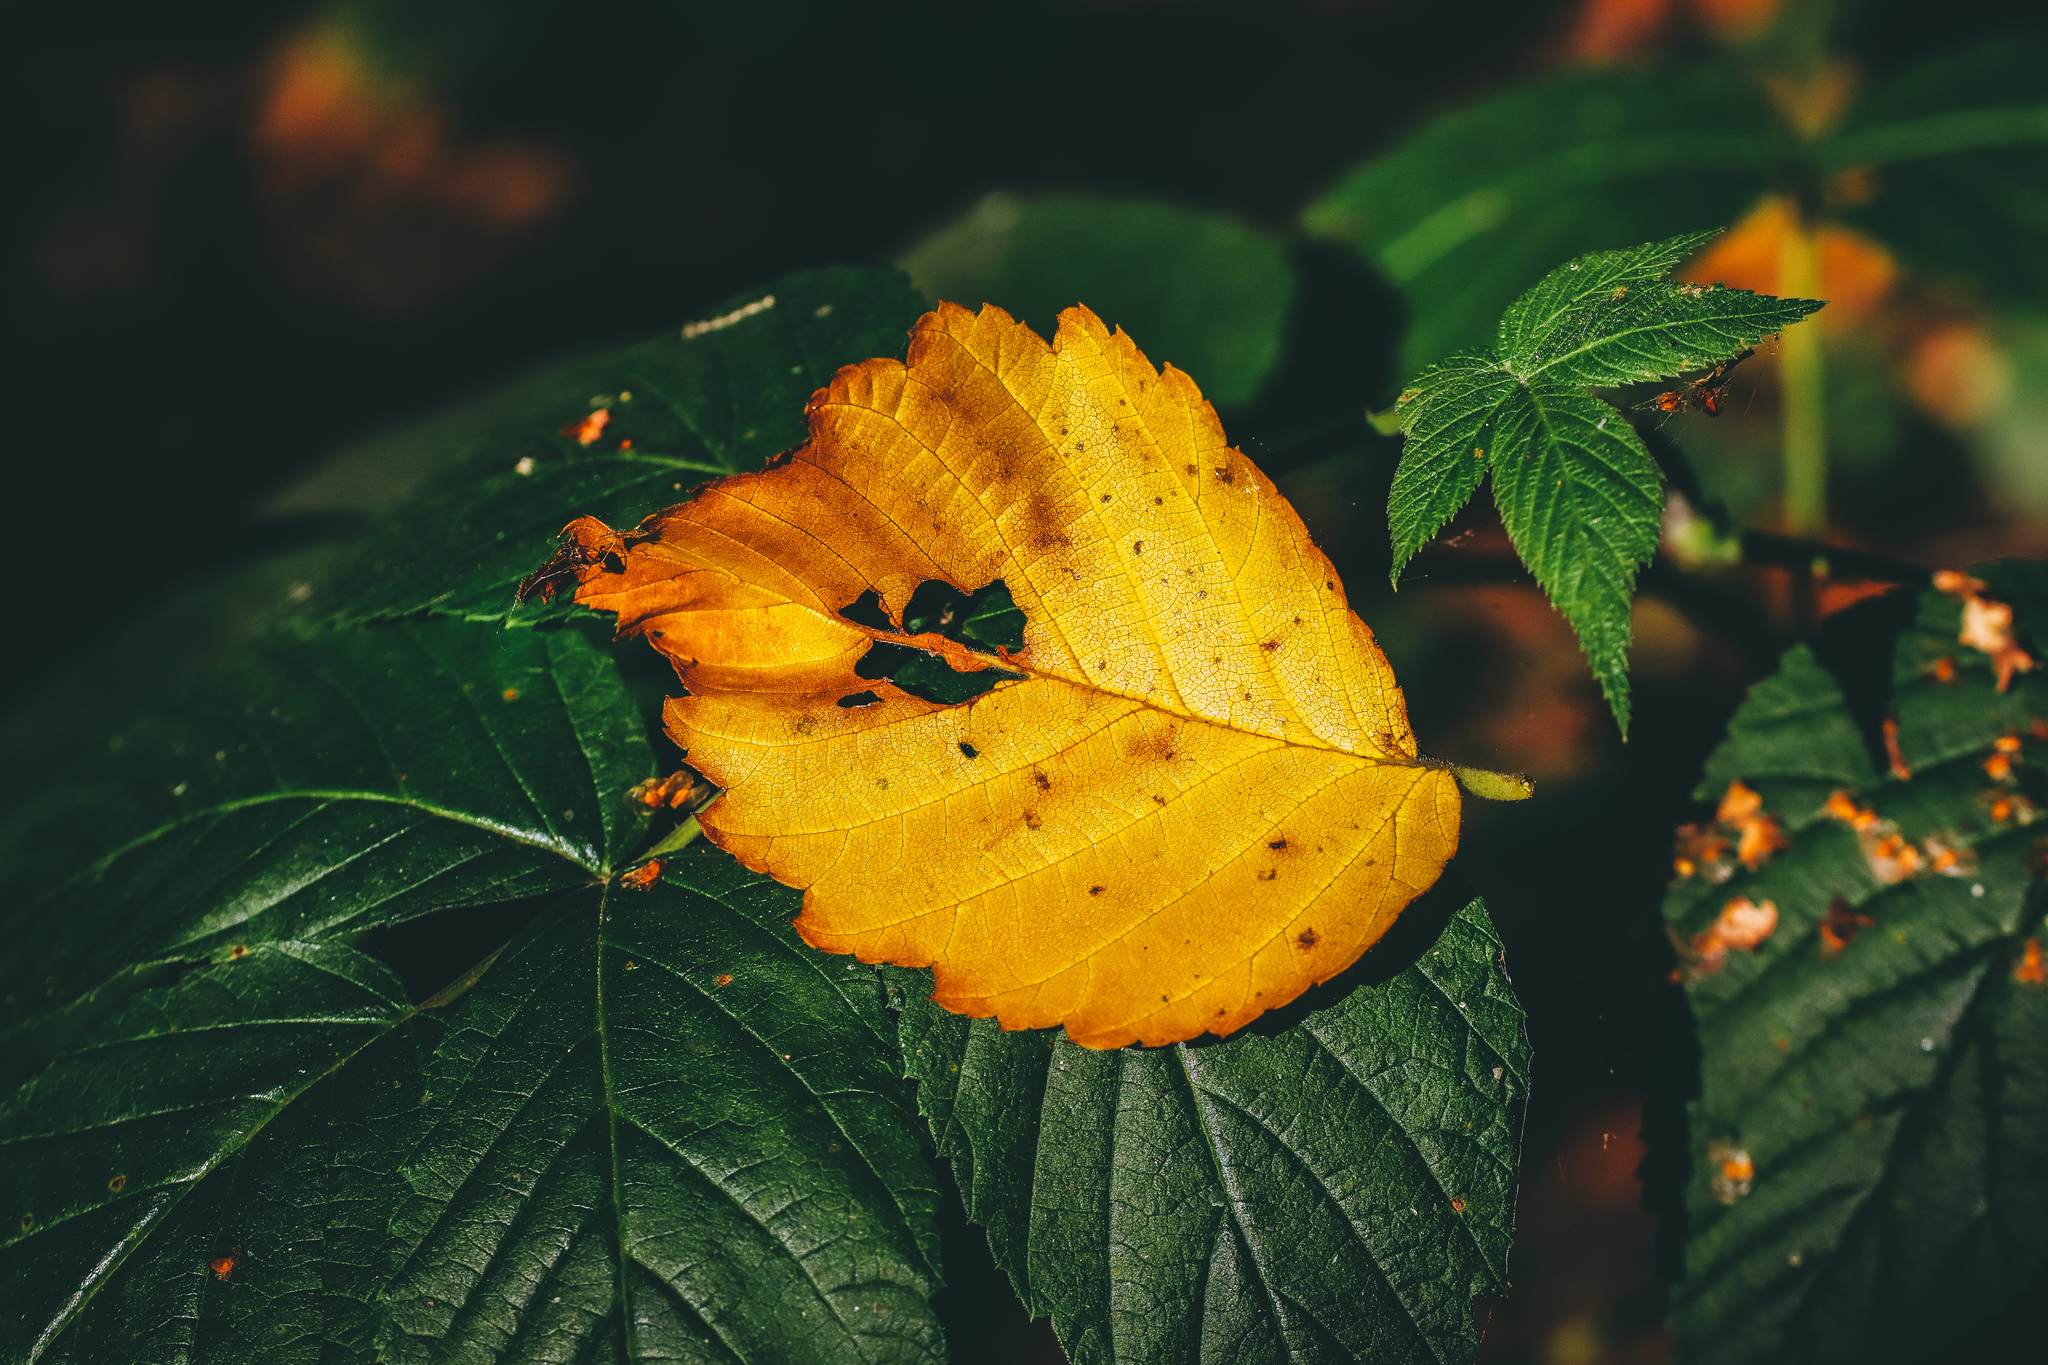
1742,923
722,979
643,876
590,428
1891,751
1734,1174
1998,767
1844,808
743,588
1893,859
239,950
1738,804
674,792
509,694
2038,728
2006,744
2001,810
2028,971
1684,867
1761,837
1987,626
224,1266
117,1183
1457,1205
1841,926
1944,669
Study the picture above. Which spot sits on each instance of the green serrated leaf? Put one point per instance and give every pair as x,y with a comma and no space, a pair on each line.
1581,499
1446,415
1579,493
1885,1094
1465,213
1611,318
1339,1191
1200,291
315,788
657,1125
719,395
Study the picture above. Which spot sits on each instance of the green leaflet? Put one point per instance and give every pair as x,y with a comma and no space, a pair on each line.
1465,213
715,397
1198,290
655,1124
1580,495
1891,1097
1338,1191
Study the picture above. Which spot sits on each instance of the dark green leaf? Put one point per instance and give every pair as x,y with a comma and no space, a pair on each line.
719,395
1339,1191
1960,183
655,1126
315,788
1892,1096
1465,213
1196,290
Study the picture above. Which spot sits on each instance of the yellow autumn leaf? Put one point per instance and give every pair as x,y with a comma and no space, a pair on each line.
1200,796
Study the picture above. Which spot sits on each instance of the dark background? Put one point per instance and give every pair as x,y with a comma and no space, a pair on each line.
225,253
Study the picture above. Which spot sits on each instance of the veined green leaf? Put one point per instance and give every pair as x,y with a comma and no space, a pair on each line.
1447,414
1465,213
315,788
1579,493
1612,318
1581,499
1870,1147
718,395
654,1125
1338,1191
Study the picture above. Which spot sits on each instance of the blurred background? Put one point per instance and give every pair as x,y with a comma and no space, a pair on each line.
242,238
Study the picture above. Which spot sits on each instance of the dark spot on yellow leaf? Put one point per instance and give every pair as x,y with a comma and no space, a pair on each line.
1137,547
1307,939
1031,820
1159,502
1269,874
1041,781
1105,497
969,750
1270,645
1158,799
1277,844
1096,890
1225,476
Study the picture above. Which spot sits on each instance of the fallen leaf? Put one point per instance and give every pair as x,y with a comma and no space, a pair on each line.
1194,792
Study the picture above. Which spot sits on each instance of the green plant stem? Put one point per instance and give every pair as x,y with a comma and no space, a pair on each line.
1799,367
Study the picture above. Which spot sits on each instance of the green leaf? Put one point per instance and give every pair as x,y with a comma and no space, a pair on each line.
1579,493
1339,1191
1446,415
316,788
1466,212
1581,500
1958,181
1891,1097
654,1125
719,395
1612,318
1199,291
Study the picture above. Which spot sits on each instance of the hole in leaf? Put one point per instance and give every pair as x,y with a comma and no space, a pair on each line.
983,620
859,699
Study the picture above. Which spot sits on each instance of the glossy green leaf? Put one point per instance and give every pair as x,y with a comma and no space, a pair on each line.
1462,215
1955,153
1199,291
718,395
1579,493
653,1125
1338,1191
1891,1097
316,788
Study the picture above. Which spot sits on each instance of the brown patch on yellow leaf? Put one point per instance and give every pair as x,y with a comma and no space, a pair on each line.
1092,843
